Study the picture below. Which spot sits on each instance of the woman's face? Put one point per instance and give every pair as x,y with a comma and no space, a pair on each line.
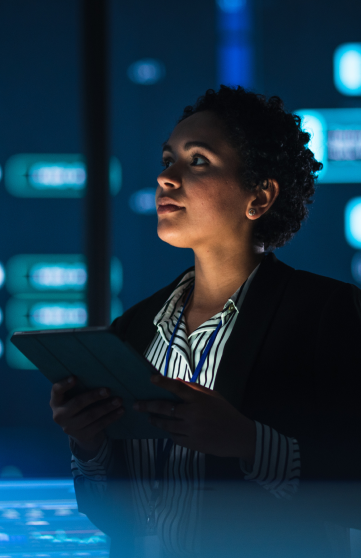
200,201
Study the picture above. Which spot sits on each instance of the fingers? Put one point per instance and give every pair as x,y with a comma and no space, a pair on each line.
101,424
60,389
178,387
161,407
174,427
94,413
80,402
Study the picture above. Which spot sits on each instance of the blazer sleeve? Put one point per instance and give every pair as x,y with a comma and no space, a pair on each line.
332,449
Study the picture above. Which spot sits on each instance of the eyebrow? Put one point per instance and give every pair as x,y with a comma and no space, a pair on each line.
189,145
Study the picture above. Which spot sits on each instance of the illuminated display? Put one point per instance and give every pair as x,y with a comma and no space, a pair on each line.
61,175
336,142
143,201
59,276
344,145
41,519
347,68
353,222
146,72
31,273
53,175
58,315
2,275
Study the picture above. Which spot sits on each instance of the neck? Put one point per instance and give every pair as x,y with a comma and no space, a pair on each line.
220,273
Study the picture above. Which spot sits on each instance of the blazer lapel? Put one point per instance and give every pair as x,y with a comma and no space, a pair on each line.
255,317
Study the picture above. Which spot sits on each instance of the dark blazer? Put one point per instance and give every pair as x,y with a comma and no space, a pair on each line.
293,362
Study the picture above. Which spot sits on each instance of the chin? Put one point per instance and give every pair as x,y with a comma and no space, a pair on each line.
172,235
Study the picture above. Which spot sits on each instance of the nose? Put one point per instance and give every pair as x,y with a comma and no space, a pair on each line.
169,179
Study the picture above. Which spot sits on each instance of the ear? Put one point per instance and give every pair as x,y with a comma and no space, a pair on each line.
263,198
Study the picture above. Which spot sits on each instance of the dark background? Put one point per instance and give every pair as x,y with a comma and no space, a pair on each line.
41,112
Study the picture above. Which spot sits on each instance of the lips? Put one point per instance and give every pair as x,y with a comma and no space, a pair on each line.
167,205
168,208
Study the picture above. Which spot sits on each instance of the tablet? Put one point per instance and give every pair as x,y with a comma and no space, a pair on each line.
98,358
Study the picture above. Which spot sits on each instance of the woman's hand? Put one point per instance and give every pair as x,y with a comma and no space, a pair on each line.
204,421
84,417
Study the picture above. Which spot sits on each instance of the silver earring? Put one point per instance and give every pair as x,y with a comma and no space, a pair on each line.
252,212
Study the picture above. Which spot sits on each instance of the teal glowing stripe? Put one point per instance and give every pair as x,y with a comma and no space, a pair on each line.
353,223
53,175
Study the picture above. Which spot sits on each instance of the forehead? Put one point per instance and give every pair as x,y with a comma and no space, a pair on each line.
202,126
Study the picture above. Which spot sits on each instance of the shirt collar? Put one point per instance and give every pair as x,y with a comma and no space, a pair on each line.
174,301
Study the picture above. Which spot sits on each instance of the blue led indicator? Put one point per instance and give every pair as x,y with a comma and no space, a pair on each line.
146,72
347,68
143,201
1,348
353,222
1,316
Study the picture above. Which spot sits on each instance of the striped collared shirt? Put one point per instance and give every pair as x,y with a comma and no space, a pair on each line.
277,458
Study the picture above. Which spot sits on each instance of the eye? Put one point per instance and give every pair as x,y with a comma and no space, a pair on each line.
166,163
199,160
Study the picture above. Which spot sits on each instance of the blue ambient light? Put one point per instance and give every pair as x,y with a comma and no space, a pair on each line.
2,275
1,316
353,223
356,267
146,72
231,6
347,68
314,123
1,348
143,201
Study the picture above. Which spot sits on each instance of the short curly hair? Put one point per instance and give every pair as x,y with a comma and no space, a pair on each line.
271,145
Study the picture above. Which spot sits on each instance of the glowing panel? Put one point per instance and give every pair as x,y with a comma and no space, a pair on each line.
353,222
143,201
336,142
53,175
1,348
51,313
2,275
1,316
36,273
347,68
146,72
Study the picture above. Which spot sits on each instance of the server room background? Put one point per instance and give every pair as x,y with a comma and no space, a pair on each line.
162,56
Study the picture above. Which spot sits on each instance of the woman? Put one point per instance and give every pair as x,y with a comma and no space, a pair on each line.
274,401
